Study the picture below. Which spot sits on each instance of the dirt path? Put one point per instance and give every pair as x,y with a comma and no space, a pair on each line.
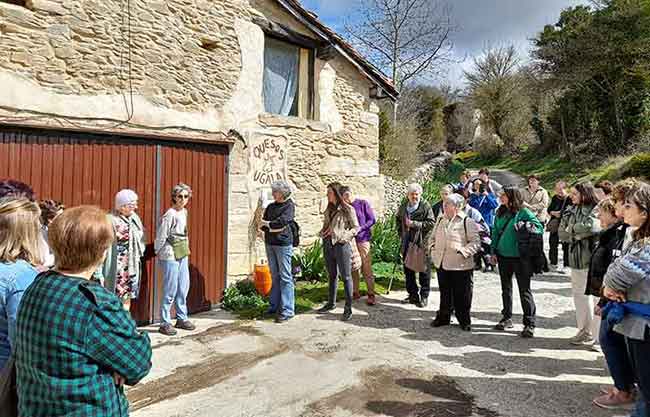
387,361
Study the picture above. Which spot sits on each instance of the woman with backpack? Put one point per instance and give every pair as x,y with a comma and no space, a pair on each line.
455,242
505,245
278,238
579,228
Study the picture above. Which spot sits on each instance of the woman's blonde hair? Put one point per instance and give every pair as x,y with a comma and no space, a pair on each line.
20,229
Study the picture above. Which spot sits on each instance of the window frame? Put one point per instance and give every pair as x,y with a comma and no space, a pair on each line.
305,44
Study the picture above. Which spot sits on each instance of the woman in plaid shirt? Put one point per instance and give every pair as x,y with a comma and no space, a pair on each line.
76,346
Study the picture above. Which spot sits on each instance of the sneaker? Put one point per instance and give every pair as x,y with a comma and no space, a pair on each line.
528,332
552,268
607,389
283,319
371,301
424,303
347,315
595,348
504,324
615,400
185,325
326,308
561,270
356,296
466,327
582,339
409,300
167,330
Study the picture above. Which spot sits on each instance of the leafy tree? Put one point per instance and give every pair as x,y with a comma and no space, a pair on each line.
596,60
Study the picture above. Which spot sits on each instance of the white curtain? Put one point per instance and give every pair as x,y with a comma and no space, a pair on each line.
280,76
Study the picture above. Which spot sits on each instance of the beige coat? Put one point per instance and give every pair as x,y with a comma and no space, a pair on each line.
452,249
343,223
537,202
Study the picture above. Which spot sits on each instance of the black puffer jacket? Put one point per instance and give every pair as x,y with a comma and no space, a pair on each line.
531,246
608,248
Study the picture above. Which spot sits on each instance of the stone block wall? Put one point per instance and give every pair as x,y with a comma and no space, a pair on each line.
195,72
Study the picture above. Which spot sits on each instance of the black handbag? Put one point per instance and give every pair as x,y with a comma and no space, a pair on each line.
8,393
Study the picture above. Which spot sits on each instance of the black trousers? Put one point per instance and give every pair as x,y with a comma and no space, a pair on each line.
514,266
554,244
416,294
456,292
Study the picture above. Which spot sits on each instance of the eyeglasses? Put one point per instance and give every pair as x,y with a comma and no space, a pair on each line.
184,196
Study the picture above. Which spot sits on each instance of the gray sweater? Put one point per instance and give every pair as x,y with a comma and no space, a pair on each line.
630,274
173,227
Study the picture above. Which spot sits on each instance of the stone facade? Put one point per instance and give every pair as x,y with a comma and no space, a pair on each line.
194,70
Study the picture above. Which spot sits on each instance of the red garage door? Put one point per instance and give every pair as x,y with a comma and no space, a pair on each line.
89,169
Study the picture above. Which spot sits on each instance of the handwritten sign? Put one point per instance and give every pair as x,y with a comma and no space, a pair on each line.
268,162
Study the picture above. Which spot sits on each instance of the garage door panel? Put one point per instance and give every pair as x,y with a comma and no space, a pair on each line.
89,169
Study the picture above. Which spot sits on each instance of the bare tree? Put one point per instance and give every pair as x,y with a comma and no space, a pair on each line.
497,86
409,39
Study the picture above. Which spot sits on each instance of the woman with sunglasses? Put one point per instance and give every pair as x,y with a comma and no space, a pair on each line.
122,270
173,250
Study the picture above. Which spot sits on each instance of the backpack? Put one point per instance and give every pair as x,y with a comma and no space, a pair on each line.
295,233
480,251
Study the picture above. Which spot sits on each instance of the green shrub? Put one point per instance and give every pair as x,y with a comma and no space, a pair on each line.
242,296
310,264
385,241
638,166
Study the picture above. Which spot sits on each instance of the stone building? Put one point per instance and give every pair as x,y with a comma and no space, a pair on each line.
264,82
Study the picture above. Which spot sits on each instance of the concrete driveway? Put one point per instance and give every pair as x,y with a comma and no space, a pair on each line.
387,361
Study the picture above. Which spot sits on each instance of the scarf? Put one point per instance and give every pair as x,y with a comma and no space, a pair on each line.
410,209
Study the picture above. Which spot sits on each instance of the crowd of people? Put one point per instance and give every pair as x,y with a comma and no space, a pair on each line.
68,343
68,276
603,232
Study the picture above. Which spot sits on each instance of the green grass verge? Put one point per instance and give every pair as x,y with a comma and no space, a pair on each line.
310,295
550,168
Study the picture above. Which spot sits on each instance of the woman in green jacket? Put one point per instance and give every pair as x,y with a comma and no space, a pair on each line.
506,249
580,228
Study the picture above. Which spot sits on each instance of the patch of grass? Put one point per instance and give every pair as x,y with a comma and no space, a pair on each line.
550,168
310,294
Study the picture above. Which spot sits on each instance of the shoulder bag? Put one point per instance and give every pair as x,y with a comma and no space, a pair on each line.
416,259
181,247
553,225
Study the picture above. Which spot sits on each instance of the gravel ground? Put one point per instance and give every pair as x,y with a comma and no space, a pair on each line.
387,361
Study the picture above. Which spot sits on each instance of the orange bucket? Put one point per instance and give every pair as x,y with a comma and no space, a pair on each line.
263,280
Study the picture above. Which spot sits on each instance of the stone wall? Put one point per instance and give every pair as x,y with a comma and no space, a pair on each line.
195,72
395,190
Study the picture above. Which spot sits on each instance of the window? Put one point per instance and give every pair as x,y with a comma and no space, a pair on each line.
288,79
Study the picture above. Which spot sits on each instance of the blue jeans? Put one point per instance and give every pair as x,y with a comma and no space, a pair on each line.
640,409
176,285
617,357
282,291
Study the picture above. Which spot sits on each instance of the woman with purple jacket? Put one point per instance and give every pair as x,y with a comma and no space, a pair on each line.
366,218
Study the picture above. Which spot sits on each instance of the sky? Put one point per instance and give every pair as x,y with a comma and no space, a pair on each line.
480,23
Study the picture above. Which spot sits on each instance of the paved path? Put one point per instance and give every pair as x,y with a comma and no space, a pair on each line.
387,361
504,177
